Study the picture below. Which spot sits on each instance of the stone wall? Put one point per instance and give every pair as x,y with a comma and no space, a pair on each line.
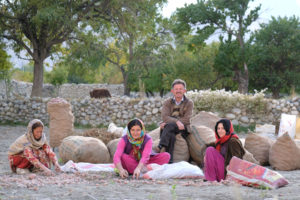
23,89
121,109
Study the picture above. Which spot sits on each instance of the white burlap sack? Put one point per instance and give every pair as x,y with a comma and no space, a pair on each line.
101,134
207,119
297,135
61,120
287,124
112,128
199,136
285,154
259,146
112,147
181,149
175,170
154,134
155,143
83,149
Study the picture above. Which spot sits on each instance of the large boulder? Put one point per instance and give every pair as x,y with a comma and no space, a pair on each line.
61,120
155,134
207,119
181,149
285,154
101,134
83,149
197,138
259,146
112,147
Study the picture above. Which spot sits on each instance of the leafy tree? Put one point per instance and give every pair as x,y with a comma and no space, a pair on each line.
275,62
5,67
57,76
196,67
25,73
40,26
132,36
230,17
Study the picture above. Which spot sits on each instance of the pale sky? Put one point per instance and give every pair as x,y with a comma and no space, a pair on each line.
269,8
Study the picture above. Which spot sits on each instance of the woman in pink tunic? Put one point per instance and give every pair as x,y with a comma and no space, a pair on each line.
134,151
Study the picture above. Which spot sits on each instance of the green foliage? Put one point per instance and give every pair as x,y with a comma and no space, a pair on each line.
57,76
40,27
196,68
242,129
109,73
221,101
24,74
173,192
233,19
275,61
134,39
150,127
5,65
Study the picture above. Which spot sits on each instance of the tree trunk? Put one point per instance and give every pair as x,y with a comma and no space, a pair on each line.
275,93
243,74
126,86
141,88
38,78
125,81
242,77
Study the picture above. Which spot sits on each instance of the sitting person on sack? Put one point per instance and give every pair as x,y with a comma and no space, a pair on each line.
134,151
176,114
31,153
219,153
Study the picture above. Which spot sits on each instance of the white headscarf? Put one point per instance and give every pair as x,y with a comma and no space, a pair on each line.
27,140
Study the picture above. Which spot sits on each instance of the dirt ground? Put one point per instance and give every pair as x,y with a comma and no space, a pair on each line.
109,186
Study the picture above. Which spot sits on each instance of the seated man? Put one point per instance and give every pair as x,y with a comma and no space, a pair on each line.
176,113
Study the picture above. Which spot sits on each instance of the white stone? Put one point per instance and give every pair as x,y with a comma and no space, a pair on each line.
236,111
285,110
230,116
155,110
235,122
119,114
245,119
294,112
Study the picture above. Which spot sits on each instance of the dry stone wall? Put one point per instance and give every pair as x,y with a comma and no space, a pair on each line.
121,109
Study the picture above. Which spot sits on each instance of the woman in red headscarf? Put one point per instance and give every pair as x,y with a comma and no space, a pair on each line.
134,151
218,154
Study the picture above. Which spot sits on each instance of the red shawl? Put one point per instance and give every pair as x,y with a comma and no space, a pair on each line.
229,133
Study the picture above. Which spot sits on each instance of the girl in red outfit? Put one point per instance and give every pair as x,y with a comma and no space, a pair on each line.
30,152
219,153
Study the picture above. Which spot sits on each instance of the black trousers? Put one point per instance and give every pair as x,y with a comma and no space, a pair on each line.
168,137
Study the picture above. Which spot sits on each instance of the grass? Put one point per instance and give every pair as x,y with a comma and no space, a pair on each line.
151,127
173,192
12,123
243,129
88,126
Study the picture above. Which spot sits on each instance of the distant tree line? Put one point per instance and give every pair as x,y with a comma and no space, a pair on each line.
129,42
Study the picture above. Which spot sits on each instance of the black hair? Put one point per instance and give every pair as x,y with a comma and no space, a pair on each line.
226,124
133,123
36,125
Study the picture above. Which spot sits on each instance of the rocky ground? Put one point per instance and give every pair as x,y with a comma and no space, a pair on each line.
109,186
